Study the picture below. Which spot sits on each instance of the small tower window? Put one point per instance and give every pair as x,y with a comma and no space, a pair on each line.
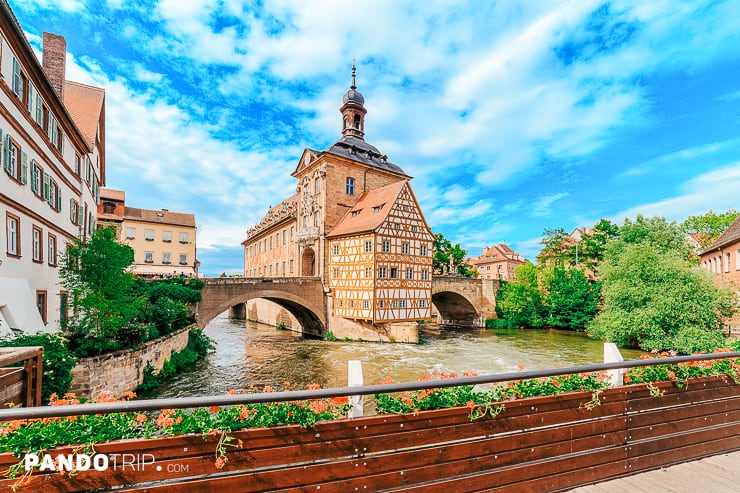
357,121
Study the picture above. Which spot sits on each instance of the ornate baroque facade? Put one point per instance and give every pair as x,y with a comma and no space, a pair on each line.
355,224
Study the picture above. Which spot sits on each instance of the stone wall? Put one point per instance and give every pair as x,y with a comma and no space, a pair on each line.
124,370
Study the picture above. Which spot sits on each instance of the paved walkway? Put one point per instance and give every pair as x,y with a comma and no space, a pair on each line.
718,474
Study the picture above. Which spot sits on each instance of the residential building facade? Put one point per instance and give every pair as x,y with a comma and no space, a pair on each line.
723,257
164,242
355,224
53,158
496,262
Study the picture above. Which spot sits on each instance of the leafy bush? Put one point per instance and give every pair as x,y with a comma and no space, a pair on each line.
659,301
57,364
198,346
499,323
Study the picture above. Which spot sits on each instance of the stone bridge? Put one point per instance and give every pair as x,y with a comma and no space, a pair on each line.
458,300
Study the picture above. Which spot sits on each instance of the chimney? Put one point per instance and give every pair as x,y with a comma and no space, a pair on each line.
54,61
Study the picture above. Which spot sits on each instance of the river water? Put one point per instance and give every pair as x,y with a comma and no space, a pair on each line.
251,354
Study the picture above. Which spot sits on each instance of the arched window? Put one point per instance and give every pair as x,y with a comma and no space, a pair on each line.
357,121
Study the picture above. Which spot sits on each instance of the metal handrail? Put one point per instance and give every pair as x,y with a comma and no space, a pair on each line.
234,399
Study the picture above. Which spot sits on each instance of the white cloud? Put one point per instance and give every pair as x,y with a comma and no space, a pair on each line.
541,207
716,190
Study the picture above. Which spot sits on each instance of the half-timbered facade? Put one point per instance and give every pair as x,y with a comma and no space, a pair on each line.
380,259
52,134
303,235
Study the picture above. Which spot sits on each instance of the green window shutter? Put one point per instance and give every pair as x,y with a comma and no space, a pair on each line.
45,191
6,154
80,214
59,199
16,84
29,102
24,168
39,110
34,177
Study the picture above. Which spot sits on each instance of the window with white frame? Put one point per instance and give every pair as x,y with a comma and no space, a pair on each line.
167,236
422,303
149,234
404,248
368,246
402,303
149,257
386,246
365,304
166,258
184,238
38,246
350,186
13,239
381,272
423,250
410,273
335,248
130,233
183,259
727,262
51,256
424,275
316,185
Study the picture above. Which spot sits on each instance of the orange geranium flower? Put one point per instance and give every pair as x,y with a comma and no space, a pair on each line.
338,401
214,409
314,386
220,463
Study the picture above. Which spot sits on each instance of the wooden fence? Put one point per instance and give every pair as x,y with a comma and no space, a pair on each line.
537,444
20,385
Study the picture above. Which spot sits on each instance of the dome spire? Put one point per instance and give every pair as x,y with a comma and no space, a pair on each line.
353,109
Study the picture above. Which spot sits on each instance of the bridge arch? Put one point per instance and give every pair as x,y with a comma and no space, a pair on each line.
302,298
464,301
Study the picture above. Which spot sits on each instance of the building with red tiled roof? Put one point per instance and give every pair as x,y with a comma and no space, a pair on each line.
496,262
355,224
163,241
53,165
722,258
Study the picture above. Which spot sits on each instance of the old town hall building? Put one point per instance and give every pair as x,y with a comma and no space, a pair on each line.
355,224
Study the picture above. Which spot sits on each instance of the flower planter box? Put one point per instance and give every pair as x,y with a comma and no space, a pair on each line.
535,444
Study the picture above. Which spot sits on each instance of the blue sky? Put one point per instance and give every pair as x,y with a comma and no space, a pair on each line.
512,116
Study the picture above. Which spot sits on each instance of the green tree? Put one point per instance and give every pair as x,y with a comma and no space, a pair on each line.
558,248
656,299
519,301
449,258
662,235
100,288
709,226
593,245
573,300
